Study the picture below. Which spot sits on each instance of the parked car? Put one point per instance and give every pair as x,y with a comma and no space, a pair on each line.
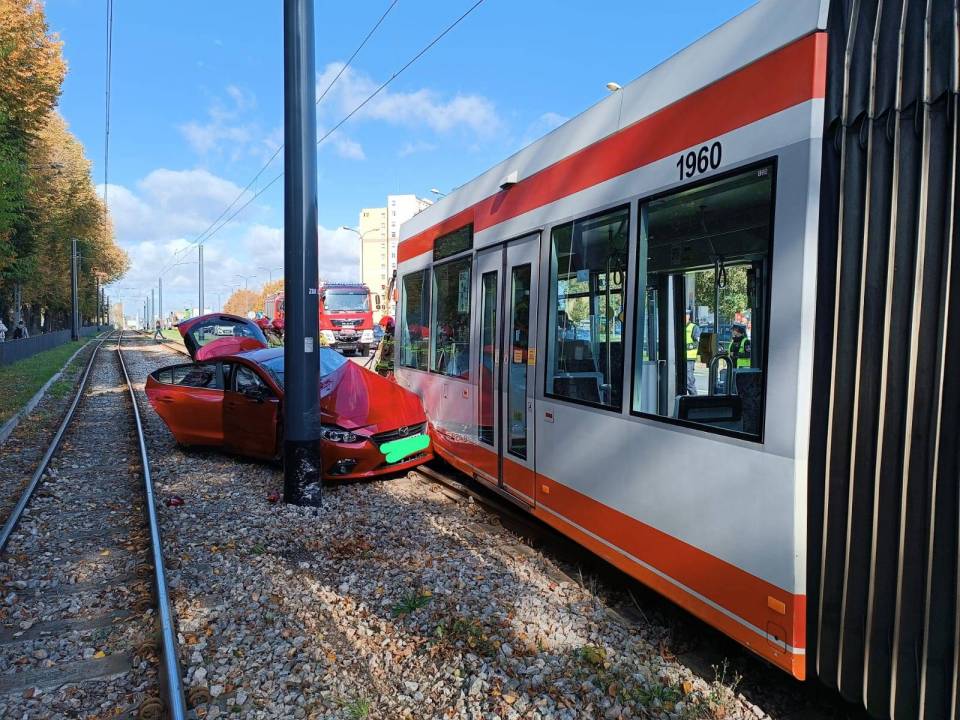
231,396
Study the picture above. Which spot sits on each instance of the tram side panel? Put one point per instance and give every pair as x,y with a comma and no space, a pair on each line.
713,520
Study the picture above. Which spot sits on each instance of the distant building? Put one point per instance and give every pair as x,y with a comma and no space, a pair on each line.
380,233
373,252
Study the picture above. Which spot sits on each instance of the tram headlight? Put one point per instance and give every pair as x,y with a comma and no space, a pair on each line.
366,336
335,434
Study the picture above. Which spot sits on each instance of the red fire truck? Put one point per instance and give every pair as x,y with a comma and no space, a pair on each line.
346,316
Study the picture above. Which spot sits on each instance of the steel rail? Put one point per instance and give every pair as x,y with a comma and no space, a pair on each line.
17,512
176,701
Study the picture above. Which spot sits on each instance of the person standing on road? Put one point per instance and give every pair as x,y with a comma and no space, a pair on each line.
20,331
157,333
3,332
692,340
740,346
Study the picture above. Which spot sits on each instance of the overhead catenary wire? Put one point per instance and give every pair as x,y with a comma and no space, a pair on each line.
203,235
106,122
353,112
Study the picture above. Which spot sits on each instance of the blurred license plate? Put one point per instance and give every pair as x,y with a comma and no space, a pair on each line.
397,450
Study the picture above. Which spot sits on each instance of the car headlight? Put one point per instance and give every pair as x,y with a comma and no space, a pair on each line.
335,434
328,335
366,336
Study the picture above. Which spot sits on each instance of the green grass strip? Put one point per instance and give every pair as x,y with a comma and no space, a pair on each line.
21,380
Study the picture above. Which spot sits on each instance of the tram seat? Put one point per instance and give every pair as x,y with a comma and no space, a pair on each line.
749,385
579,378
722,411
579,386
578,357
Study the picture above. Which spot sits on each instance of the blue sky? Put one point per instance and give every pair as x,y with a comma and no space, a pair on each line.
197,109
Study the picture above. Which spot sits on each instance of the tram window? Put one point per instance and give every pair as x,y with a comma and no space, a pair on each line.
451,318
704,260
453,243
588,274
414,320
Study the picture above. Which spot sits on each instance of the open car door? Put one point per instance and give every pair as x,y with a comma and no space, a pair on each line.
216,335
251,412
189,399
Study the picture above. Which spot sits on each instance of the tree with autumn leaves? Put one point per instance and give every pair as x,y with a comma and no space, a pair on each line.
47,194
242,300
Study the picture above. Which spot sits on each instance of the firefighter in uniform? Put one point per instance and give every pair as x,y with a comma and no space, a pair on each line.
692,340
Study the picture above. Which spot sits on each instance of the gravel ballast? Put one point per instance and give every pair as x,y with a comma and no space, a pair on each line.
392,601
76,607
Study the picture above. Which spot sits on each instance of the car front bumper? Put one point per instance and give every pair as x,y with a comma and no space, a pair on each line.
355,461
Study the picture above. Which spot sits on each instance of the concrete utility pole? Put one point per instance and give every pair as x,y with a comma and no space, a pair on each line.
302,481
74,310
160,299
153,308
200,257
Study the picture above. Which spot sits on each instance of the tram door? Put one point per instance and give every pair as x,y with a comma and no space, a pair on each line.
507,292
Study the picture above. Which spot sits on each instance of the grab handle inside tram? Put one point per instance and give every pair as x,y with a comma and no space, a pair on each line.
715,375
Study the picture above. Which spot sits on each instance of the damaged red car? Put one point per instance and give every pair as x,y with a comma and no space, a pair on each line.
231,396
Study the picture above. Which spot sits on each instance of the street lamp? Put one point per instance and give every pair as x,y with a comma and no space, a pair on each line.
354,230
438,193
246,279
269,271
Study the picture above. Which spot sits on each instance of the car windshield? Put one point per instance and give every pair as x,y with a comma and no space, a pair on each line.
330,361
354,301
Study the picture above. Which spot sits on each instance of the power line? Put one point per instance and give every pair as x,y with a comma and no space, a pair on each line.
200,238
353,112
106,124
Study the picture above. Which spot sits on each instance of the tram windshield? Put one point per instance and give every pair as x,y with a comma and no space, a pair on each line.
701,320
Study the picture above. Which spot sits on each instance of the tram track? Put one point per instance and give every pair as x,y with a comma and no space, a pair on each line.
85,612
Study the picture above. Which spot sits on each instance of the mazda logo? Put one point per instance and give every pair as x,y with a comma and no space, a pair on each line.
403,431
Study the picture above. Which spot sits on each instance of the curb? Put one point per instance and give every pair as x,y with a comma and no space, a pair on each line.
10,425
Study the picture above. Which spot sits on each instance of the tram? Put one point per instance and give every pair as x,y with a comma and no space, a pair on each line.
706,329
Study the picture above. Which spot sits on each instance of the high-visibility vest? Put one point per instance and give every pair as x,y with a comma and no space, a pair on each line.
691,343
742,351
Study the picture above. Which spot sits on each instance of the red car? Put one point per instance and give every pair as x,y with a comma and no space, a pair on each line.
231,396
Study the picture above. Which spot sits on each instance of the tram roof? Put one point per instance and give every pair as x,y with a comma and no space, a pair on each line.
756,32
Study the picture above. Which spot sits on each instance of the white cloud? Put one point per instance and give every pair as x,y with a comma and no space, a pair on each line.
157,221
168,204
343,145
420,108
338,251
541,126
225,128
161,215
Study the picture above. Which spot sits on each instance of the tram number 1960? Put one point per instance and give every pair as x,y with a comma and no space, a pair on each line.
696,162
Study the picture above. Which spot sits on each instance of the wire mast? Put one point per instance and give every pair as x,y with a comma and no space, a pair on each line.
301,453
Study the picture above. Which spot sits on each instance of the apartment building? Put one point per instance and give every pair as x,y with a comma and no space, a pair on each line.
379,232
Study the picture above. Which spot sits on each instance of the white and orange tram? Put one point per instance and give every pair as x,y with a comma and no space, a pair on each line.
704,328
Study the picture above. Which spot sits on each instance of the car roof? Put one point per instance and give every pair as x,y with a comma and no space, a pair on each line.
261,355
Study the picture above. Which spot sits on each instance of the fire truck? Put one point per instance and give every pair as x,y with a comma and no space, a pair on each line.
346,316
